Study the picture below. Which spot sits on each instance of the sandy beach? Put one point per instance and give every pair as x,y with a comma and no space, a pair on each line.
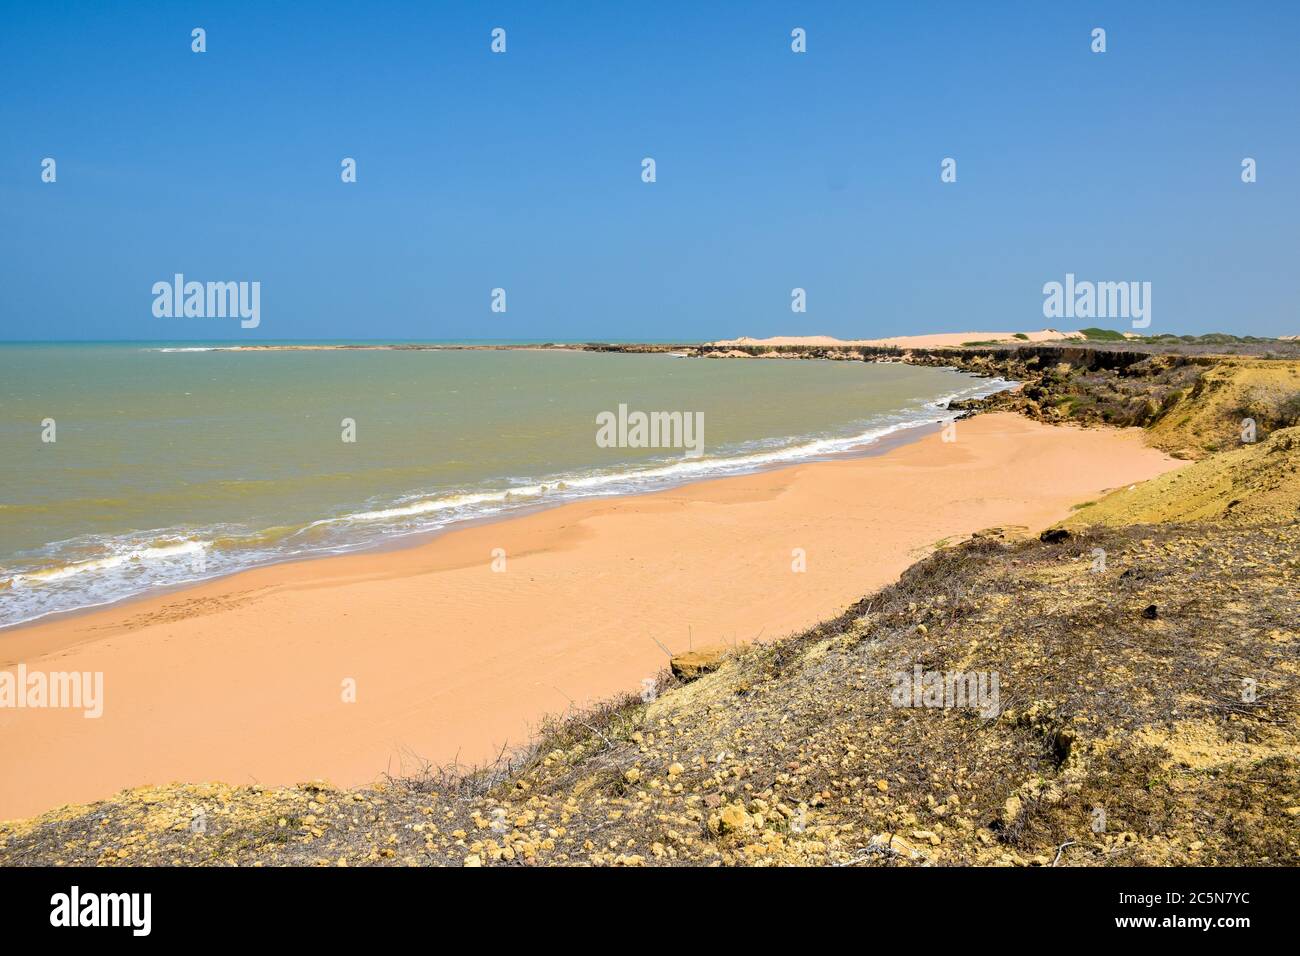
243,679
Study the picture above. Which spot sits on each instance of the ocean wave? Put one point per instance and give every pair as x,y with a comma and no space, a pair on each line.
92,571
112,561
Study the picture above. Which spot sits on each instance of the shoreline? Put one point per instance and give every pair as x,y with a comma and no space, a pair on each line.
396,542
238,678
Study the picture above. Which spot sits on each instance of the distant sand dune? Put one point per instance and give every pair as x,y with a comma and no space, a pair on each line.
937,340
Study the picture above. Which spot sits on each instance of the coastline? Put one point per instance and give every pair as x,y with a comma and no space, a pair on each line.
245,514
415,539
454,662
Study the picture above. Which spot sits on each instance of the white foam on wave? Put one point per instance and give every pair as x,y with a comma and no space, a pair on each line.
135,564
674,472
165,553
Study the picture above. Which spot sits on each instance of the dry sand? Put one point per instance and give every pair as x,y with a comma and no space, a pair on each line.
937,341
240,679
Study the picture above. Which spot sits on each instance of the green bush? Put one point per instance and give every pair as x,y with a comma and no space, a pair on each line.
1102,335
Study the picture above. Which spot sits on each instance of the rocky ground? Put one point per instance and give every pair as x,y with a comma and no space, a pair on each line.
1147,657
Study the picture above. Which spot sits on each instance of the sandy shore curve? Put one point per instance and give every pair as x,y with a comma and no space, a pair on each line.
245,679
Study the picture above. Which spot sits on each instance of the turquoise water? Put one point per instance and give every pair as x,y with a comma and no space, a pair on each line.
177,464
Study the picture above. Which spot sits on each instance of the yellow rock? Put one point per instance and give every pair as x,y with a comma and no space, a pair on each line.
1011,811
898,845
734,818
694,664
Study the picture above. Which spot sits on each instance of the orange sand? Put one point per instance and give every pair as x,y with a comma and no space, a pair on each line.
241,679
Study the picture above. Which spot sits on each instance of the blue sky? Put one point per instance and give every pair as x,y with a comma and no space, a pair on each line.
522,171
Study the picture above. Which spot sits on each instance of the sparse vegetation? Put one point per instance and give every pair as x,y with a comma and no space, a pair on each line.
1094,334
793,752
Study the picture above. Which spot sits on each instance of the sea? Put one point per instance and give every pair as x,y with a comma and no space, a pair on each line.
130,467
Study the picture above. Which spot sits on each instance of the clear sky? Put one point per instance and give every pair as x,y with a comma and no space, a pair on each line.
522,170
